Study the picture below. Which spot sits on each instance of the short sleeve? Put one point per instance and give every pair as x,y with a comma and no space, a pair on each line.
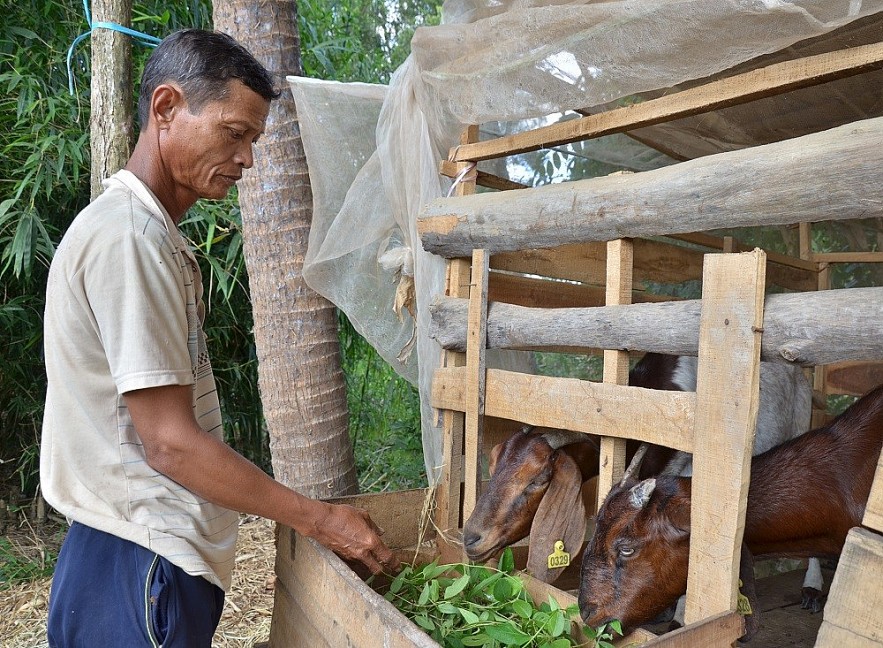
138,292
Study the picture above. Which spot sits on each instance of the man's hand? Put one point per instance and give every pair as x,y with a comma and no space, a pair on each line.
351,533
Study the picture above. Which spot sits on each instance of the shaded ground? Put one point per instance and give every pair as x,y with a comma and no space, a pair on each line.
247,609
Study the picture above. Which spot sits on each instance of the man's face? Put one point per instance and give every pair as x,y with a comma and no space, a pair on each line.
206,152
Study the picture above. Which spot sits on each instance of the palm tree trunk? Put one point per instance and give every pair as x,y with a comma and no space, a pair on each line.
299,373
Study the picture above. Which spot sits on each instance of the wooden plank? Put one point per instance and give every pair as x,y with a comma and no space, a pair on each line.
396,513
476,345
482,179
727,396
580,405
458,274
537,292
873,518
848,257
716,631
320,602
620,257
653,260
741,88
687,197
853,378
853,609
820,371
811,328
453,423
717,243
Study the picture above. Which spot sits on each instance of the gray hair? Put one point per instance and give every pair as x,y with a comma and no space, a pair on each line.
202,63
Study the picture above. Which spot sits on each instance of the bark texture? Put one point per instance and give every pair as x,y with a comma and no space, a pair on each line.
110,123
811,328
826,176
301,382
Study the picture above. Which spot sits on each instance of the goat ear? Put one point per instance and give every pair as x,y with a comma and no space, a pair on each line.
561,516
495,456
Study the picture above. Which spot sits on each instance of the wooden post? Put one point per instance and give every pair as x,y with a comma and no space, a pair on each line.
111,132
476,345
616,363
727,396
453,423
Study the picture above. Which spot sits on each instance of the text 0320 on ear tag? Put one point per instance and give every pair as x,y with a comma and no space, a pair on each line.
559,557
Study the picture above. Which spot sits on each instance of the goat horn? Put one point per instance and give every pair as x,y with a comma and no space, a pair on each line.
640,494
635,464
558,438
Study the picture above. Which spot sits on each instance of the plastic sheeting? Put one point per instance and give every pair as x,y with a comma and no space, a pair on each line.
373,152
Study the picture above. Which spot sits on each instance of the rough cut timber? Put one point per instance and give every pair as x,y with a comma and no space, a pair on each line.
811,328
832,175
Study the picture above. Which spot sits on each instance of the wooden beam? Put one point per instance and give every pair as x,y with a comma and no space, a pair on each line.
852,611
724,425
482,179
620,261
848,257
873,518
660,261
715,632
741,88
538,292
457,279
476,346
811,328
692,196
625,412
853,378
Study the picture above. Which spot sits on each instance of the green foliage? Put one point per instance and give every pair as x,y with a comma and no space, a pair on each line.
17,567
384,417
359,40
470,605
44,182
44,175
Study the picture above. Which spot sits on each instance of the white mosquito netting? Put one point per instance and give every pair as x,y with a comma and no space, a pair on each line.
373,151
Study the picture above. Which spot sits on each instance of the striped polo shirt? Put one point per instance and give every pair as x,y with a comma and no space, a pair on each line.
124,311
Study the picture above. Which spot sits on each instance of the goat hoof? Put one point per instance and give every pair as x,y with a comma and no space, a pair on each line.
811,599
674,625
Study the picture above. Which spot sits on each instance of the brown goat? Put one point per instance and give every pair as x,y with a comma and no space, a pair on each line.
536,489
536,478
804,496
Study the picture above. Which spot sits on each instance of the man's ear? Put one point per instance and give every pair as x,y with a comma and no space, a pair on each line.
167,99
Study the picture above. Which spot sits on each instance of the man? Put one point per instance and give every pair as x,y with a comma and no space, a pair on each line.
132,447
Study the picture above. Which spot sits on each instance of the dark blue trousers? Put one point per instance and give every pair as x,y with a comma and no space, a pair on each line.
114,593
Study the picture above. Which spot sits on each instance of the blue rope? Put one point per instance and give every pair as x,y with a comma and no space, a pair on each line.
145,39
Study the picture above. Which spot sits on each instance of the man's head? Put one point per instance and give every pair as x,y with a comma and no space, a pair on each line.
202,63
204,103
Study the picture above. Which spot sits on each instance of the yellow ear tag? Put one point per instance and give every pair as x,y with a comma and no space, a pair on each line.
559,557
743,607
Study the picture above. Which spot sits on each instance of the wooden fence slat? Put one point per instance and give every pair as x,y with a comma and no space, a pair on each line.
873,518
664,417
727,396
854,609
620,263
476,346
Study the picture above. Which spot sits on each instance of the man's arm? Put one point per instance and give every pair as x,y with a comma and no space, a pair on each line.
177,447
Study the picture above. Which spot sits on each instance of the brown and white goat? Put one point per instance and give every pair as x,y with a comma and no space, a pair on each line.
803,498
537,477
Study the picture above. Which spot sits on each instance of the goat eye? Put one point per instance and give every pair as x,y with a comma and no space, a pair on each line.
625,552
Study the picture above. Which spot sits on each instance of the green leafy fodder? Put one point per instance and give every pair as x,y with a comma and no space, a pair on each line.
471,605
